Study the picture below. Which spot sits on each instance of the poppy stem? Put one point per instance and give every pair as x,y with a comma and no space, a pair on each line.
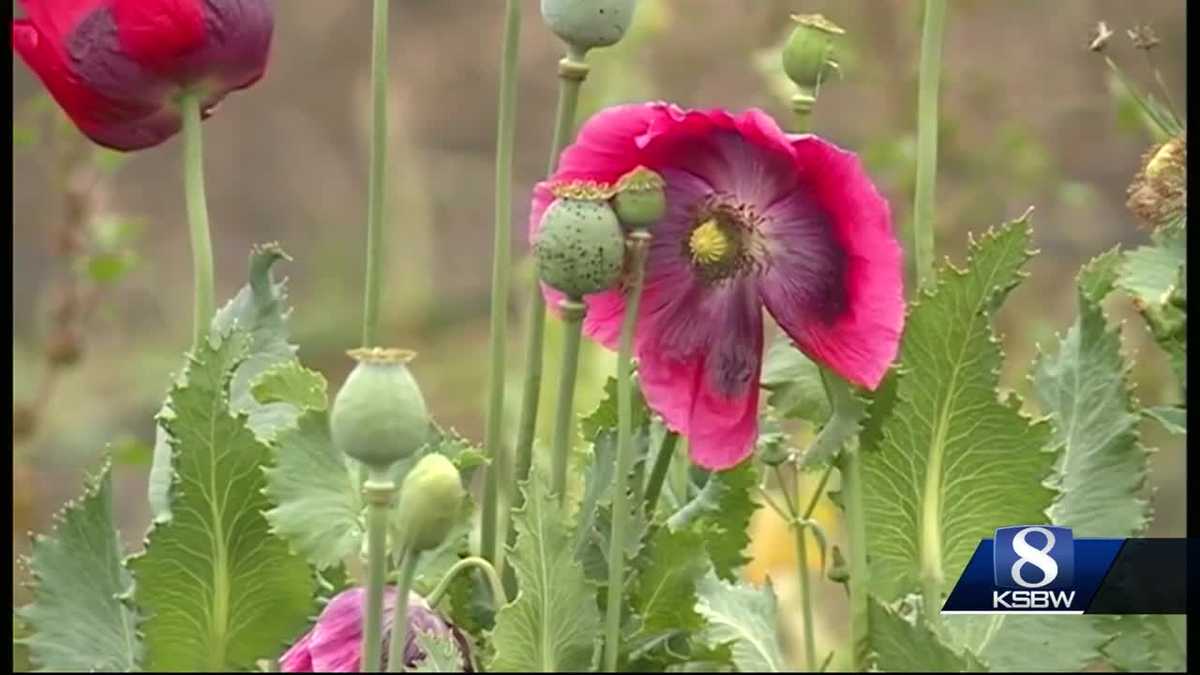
197,212
800,529
922,245
572,71
573,310
439,591
639,244
501,272
850,465
659,474
408,570
376,190
380,491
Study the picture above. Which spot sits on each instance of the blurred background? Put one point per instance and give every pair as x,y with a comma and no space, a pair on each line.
102,274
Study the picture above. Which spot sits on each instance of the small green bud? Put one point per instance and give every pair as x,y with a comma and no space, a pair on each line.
580,248
807,57
430,502
584,24
641,198
839,572
379,415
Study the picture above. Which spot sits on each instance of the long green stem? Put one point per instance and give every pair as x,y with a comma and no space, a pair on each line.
572,71
922,244
408,570
659,474
380,491
501,264
572,317
197,212
810,647
639,243
377,181
485,567
850,464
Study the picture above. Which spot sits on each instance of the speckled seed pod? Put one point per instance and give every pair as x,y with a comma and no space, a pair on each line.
379,415
430,501
584,24
579,248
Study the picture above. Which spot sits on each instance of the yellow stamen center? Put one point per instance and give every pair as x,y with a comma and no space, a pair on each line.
709,244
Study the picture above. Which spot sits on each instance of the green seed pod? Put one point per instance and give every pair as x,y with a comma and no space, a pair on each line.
580,248
641,198
379,415
807,57
430,502
584,24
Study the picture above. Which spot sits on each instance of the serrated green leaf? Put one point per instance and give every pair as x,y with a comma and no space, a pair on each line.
1172,418
901,644
78,620
1148,643
794,383
290,382
745,618
1016,643
219,589
259,310
441,654
664,595
722,511
1148,272
952,462
20,650
843,424
1083,388
552,623
316,507
605,414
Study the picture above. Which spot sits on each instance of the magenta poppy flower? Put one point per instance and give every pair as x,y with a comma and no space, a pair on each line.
116,66
334,645
755,218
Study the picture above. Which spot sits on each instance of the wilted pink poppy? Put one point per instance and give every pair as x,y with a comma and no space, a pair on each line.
755,217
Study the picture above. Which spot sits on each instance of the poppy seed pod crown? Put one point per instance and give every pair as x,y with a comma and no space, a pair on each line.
806,57
379,415
117,66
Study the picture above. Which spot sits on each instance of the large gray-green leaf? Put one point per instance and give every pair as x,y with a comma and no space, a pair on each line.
1172,418
260,310
219,589
77,620
722,511
1155,277
1148,643
794,382
901,644
950,462
552,623
1083,388
1020,643
746,618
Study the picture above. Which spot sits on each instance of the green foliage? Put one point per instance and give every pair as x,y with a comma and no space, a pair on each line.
1154,277
794,383
290,382
744,617
901,643
552,623
722,511
441,654
78,620
1083,387
944,460
219,590
1148,643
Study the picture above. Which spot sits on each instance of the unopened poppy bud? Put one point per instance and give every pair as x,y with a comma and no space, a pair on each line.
807,57
379,415
839,572
430,502
641,198
579,247
584,24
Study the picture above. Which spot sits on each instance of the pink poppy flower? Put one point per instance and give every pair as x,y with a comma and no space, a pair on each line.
755,218
334,645
115,66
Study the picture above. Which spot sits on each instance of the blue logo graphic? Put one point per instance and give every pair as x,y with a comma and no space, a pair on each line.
1034,557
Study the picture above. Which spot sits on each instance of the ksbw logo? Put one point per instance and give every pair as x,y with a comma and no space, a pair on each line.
1034,568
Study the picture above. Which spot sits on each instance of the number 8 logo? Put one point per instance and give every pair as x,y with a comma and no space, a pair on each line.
1039,558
